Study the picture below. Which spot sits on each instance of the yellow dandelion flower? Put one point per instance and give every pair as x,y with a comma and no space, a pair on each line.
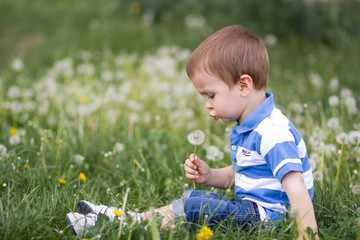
135,7
62,181
82,177
205,233
13,131
84,99
26,166
117,213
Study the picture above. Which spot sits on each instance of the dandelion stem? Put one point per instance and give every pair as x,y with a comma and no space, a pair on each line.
338,166
123,207
194,154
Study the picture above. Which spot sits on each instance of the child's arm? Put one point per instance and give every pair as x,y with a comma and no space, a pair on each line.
198,171
300,201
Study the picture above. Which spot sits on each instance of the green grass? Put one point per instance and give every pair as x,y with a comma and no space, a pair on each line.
149,106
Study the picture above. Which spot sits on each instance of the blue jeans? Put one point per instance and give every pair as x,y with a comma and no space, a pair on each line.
194,205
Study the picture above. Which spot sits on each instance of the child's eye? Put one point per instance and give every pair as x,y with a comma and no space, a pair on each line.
211,96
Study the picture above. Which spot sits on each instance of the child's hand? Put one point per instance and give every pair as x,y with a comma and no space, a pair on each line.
196,169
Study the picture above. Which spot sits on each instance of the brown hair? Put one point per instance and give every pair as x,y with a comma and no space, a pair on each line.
230,53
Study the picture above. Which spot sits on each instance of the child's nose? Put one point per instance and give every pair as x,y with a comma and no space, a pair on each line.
208,105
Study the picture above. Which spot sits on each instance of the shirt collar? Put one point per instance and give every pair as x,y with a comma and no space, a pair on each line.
257,116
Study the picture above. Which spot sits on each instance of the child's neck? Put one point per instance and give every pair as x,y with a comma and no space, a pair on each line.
255,99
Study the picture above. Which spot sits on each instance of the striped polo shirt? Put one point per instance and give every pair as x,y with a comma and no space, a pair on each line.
264,149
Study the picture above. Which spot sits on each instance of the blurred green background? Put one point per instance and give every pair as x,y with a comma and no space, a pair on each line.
317,37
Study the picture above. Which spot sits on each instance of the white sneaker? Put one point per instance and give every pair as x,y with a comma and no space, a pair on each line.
86,207
81,223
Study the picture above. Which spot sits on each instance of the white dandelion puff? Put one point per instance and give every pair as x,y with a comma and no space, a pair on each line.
3,151
333,123
196,137
79,159
17,64
312,163
356,189
345,93
342,138
118,147
214,154
318,176
270,39
15,139
316,80
334,101
354,137
334,84
330,149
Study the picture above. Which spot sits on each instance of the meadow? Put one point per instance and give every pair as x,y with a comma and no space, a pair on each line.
95,104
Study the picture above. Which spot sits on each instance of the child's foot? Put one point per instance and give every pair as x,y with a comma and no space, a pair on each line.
80,223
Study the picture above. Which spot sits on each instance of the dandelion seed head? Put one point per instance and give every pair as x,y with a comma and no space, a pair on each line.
333,123
194,22
3,151
17,64
213,153
312,163
345,93
108,191
356,189
14,140
334,84
118,147
318,176
342,138
330,149
354,137
75,196
334,101
196,137
296,107
270,39
79,159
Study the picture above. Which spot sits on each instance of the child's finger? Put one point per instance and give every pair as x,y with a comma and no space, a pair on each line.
192,157
197,161
191,177
190,171
190,164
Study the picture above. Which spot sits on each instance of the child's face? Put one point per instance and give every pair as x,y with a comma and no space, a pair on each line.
223,101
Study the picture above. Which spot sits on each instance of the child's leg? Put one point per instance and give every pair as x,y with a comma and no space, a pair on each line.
196,205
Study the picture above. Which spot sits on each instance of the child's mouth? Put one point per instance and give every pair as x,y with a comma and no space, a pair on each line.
215,117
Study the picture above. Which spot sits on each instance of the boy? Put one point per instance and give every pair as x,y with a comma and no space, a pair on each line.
270,169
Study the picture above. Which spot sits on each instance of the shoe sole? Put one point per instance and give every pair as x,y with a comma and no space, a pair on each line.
70,224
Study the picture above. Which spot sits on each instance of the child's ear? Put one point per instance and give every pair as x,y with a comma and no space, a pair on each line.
245,83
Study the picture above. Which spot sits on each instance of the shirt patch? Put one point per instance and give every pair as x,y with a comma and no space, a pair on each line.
246,153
